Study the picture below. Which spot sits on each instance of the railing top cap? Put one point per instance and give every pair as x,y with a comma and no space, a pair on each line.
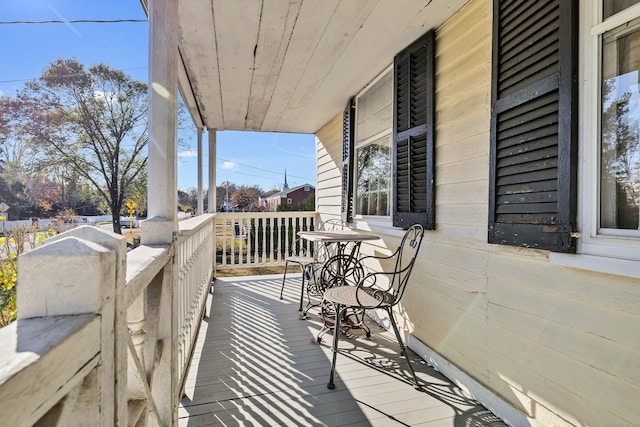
92,234
66,246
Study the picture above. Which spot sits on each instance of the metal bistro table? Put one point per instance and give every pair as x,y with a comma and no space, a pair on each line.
345,243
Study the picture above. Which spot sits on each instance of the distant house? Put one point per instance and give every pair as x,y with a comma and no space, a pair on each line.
288,196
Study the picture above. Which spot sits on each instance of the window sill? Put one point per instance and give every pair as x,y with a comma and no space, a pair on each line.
600,264
376,224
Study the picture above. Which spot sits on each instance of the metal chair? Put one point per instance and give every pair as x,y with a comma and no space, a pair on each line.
352,289
305,257
333,225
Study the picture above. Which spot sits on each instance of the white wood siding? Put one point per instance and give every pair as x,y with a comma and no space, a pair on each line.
329,164
559,344
450,295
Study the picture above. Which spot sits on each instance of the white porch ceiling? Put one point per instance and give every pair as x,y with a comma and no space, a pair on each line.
291,65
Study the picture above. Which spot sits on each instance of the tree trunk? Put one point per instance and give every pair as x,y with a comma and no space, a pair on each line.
115,219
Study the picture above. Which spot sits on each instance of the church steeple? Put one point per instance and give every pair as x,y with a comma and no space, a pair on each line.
286,185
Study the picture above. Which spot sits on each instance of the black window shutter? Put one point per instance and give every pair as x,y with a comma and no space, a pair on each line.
348,130
533,163
413,134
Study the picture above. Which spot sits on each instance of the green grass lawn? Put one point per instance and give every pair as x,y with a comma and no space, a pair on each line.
254,271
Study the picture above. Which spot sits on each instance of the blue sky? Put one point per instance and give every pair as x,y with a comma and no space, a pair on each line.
244,158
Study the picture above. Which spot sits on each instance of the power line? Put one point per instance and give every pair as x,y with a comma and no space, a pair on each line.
247,174
264,170
67,75
75,21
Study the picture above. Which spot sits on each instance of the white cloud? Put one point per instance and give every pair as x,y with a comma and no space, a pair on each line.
107,96
228,165
189,153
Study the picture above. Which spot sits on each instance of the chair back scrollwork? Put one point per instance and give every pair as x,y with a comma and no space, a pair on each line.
406,255
380,280
385,278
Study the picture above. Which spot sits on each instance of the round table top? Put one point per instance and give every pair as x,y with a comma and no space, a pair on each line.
336,236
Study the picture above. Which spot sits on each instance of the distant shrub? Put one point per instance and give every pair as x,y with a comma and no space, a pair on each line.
11,246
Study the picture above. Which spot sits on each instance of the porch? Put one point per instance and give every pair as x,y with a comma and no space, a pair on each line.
138,338
256,363
552,336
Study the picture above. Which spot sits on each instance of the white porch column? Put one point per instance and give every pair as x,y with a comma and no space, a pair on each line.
163,86
200,159
212,171
162,224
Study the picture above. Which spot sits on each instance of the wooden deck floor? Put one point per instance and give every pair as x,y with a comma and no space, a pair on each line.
256,364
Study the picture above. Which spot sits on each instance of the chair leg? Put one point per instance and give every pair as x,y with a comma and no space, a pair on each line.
309,292
360,323
304,273
403,349
334,346
284,277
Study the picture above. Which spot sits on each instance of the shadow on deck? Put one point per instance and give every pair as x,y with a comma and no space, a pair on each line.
257,364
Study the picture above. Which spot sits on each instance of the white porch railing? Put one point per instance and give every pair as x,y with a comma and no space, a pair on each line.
194,255
253,239
104,337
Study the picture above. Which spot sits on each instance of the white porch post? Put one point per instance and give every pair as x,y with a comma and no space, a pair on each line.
163,86
200,158
162,225
212,171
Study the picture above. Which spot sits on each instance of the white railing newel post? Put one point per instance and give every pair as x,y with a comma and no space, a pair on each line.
71,276
118,320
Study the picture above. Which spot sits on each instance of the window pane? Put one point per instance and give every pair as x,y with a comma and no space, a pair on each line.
611,7
363,204
363,155
374,177
383,205
374,209
375,109
620,116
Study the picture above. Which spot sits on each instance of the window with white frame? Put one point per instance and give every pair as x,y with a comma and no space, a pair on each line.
611,139
374,113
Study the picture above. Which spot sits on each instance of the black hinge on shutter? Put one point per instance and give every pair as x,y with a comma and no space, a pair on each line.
532,192
347,161
414,134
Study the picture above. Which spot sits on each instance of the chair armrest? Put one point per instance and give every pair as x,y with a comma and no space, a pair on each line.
380,257
377,285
